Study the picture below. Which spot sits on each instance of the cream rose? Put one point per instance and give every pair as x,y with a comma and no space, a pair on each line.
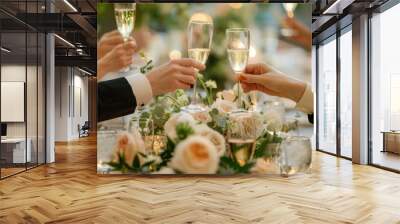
128,144
228,95
175,119
224,106
202,116
215,137
195,155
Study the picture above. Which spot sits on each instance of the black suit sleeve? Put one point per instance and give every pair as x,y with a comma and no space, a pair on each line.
115,98
311,118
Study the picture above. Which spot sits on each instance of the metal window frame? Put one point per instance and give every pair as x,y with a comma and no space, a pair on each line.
339,32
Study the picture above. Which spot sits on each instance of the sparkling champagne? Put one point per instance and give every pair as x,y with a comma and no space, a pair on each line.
238,59
199,54
242,149
125,19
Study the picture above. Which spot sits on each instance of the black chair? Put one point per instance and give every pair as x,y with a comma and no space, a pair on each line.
84,130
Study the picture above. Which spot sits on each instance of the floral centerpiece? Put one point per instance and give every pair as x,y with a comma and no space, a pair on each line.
202,142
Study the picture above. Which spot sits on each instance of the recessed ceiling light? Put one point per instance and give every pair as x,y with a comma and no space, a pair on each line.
65,41
5,50
70,5
84,71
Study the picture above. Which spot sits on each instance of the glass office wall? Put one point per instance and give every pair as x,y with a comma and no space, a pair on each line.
385,89
346,93
22,89
326,117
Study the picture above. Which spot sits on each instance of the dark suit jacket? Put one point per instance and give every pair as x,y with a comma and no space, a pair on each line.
115,98
311,118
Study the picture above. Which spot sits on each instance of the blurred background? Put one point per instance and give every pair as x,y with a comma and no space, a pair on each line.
160,31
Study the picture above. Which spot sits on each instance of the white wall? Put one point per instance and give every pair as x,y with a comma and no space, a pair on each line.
70,83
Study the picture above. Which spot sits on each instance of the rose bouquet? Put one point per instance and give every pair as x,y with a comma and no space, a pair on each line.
208,142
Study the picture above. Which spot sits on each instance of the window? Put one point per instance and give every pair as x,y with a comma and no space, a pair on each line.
327,96
346,93
385,89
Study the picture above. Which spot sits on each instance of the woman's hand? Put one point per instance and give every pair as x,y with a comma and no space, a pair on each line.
263,78
177,74
118,58
109,41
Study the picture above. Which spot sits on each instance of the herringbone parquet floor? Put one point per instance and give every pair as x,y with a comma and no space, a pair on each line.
70,191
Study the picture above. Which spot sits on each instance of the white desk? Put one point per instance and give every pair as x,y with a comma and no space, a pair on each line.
18,149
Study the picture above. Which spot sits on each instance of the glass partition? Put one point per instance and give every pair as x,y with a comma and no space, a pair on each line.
13,109
326,118
22,88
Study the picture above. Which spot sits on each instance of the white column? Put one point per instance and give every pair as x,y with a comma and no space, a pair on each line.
50,98
360,90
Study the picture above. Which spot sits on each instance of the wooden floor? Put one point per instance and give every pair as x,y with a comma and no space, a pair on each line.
70,191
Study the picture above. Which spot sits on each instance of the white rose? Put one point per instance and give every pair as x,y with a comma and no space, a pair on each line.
215,137
175,119
228,95
195,155
202,116
128,144
273,120
224,106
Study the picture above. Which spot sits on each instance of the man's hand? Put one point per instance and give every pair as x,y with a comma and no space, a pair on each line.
266,79
177,74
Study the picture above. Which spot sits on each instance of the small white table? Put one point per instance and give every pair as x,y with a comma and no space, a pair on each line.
18,149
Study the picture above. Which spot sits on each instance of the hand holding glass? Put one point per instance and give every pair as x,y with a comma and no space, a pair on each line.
125,18
238,52
199,43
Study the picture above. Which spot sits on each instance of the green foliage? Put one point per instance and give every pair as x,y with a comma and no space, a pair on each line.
122,165
228,165
183,130
147,67
219,121
262,144
167,153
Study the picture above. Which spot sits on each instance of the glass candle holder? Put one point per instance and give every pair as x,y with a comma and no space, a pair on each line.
295,155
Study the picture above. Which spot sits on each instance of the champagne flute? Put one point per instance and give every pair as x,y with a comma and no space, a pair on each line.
125,19
199,43
289,8
238,54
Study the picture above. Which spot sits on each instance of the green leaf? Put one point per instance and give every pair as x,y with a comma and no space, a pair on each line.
136,162
148,163
183,130
229,165
167,154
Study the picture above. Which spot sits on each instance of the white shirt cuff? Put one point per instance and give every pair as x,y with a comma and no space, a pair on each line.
306,102
141,88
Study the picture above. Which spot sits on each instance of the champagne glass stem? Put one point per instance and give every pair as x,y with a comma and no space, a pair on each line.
240,104
194,97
